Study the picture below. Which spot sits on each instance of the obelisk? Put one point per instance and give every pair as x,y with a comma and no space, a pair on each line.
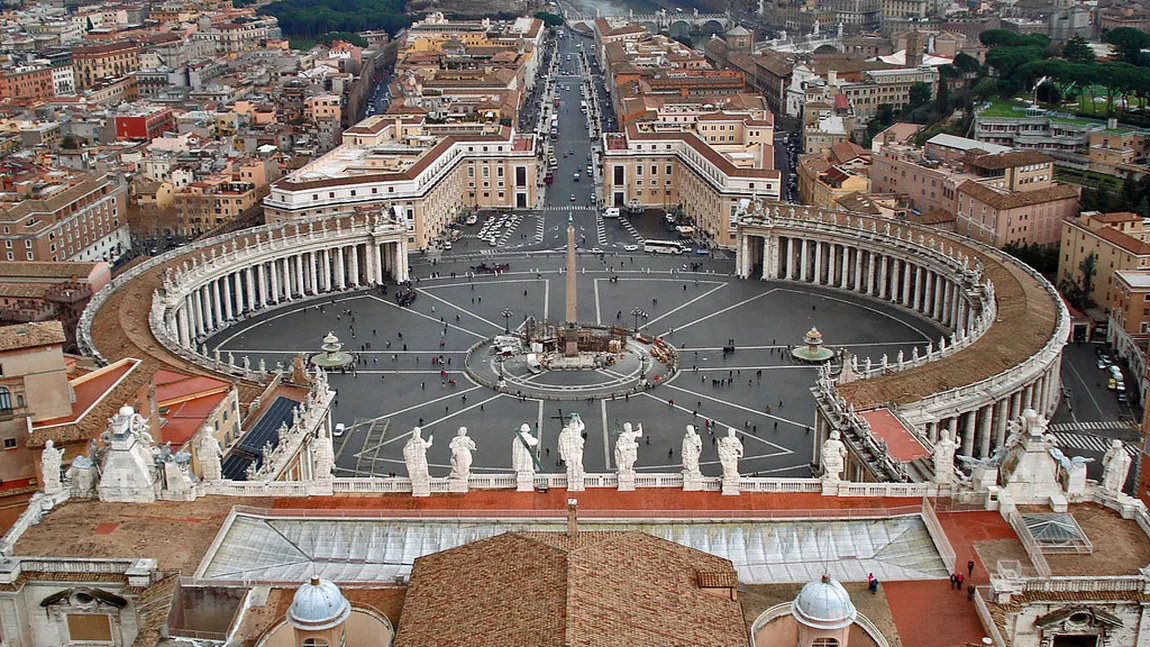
571,348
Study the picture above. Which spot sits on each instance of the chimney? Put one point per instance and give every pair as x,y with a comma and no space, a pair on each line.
572,517
1112,123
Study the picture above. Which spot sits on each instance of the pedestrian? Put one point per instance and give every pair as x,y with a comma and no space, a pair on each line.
953,580
960,579
969,592
970,568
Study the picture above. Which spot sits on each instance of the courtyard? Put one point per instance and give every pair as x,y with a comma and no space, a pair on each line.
400,382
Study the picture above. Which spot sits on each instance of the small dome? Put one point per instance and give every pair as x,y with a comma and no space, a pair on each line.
824,605
318,605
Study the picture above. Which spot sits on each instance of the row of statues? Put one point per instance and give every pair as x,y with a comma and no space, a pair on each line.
570,444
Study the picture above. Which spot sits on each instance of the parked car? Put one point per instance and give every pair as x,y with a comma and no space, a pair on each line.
339,429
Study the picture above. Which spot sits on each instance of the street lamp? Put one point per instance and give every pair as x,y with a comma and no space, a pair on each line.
636,312
506,320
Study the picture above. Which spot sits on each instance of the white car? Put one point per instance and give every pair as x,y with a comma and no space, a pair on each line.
572,197
339,429
630,248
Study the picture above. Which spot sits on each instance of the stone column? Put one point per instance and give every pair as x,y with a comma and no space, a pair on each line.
1015,405
377,263
968,435
1001,416
182,324
985,415
741,257
818,277
832,256
932,431
312,273
339,268
785,253
858,282
228,313
354,250
250,294
325,269
803,269
401,250
845,267
214,319
920,291
907,284
944,314
263,285
299,275
870,273
286,277
275,281
198,312
883,287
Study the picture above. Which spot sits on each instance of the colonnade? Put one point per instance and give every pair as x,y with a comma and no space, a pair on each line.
921,284
919,271
238,290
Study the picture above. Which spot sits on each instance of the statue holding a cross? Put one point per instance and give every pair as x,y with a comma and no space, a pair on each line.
523,459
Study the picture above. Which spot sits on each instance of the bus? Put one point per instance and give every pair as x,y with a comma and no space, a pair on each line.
663,247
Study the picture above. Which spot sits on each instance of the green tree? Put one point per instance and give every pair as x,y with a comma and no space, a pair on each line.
1078,49
967,63
1078,290
1129,42
919,95
549,19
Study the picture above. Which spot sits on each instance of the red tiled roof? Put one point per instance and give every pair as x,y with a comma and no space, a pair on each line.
90,389
901,444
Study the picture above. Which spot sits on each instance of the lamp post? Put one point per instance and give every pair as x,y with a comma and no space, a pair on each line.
636,312
507,320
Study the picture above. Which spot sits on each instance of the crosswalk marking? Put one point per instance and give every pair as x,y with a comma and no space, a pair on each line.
1089,442
560,207
1089,426
631,228
539,227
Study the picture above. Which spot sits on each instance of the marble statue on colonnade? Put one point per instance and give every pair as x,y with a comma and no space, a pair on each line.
415,459
461,447
692,449
730,451
209,455
944,451
1115,467
50,462
571,451
626,454
833,458
522,462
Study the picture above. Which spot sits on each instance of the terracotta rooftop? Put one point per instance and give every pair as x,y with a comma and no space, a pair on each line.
31,335
1000,200
902,445
1026,318
90,390
603,589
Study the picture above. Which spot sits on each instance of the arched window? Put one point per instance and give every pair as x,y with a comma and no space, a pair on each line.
317,642
5,399
825,642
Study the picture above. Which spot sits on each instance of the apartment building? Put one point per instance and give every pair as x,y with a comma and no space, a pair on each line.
425,172
1117,241
143,122
1000,217
891,86
26,84
47,291
205,205
703,170
823,184
95,62
64,218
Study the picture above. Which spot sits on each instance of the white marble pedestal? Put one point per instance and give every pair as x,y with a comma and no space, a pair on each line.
627,482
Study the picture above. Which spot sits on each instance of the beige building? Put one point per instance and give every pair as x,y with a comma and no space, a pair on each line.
426,174
1117,241
80,218
94,62
822,184
704,168
999,217
204,206
877,87
33,388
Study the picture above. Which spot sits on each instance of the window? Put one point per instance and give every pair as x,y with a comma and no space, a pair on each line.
825,642
314,642
9,443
